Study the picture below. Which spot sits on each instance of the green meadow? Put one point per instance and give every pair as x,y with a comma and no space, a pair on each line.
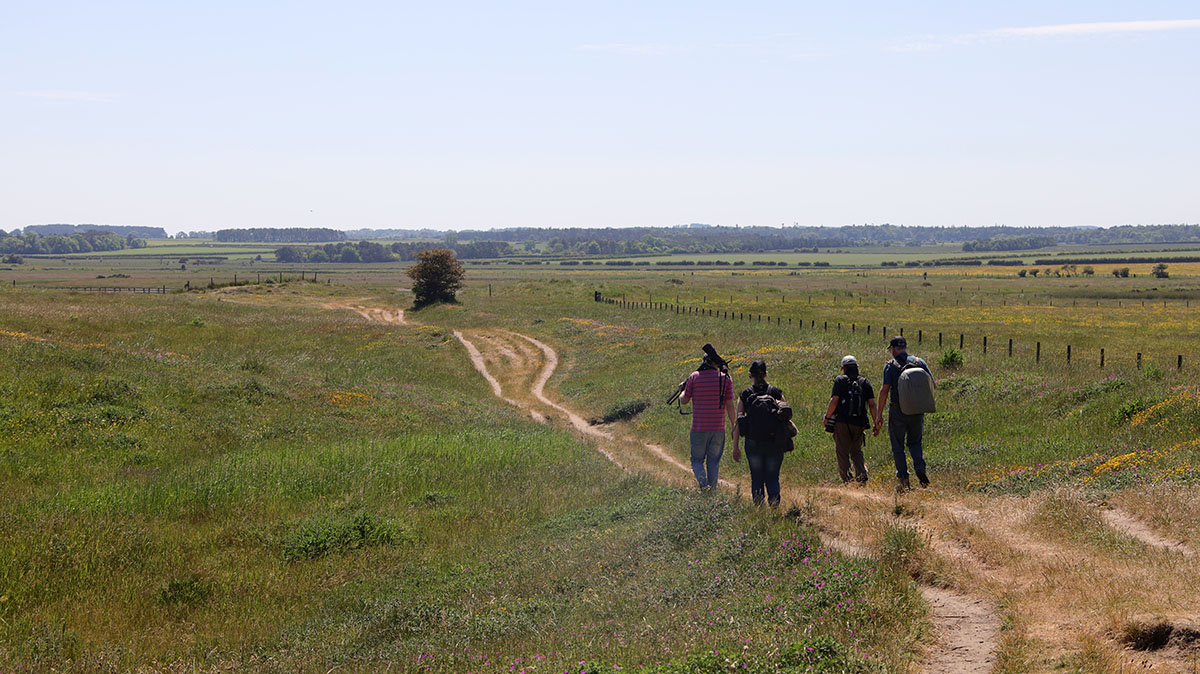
208,485
242,479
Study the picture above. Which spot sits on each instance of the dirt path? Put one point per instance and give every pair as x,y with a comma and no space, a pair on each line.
967,629
968,632
995,546
1127,523
391,316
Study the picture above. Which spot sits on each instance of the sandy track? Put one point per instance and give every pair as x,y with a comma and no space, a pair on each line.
967,629
1127,523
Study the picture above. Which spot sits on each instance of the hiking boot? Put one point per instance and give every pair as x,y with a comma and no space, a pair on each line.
923,479
902,484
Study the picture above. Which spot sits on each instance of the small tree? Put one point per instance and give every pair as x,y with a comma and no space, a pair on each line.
1089,270
1124,272
1159,271
437,277
1021,273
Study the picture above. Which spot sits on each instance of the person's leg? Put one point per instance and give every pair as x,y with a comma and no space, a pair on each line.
841,447
916,432
716,447
699,449
856,453
754,460
773,461
896,428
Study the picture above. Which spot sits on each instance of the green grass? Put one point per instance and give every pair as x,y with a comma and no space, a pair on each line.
271,486
1004,423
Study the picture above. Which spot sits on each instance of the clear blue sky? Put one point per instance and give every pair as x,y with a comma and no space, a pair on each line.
452,114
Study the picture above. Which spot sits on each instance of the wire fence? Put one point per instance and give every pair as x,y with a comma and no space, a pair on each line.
945,339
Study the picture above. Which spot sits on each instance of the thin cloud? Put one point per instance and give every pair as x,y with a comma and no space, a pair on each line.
60,95
629,49
932,42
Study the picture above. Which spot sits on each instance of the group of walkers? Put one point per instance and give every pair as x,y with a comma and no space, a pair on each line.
760,419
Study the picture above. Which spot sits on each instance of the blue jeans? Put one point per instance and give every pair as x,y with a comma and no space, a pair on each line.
764,472
707,448
906,430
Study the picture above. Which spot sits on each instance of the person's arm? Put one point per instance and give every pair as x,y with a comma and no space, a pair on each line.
833,401
737,452
883,395
730,410
875,414
687,391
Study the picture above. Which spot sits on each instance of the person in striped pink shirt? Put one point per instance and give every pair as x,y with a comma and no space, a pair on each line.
710,391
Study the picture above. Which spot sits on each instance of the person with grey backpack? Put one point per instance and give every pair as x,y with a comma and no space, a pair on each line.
908,386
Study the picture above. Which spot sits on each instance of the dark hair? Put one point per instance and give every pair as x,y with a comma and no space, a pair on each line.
758,367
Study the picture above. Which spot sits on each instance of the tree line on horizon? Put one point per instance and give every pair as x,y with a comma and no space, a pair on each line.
31,243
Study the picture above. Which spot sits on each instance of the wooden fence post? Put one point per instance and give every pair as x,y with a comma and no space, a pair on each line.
1102,356
939,340
1010,347
920,336
1068,354
1139,360
1038,358
1179,362
960,340
985,345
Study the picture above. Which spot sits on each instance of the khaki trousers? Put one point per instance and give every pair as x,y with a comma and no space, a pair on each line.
848,441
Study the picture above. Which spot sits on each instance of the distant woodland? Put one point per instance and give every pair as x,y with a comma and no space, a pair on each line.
123,230
30,243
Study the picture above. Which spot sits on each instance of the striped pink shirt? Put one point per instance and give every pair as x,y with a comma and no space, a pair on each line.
705,389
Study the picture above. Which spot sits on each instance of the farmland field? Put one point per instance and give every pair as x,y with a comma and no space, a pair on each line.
295,476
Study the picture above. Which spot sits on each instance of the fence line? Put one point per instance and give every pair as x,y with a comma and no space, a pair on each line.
159,290
778,321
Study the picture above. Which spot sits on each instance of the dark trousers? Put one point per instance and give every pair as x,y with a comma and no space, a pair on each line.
848,442
764,472
905,430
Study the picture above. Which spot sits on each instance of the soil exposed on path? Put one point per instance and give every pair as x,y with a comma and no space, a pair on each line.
1127,523
989,544
967,630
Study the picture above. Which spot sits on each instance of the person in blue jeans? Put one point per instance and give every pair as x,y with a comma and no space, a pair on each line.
710,390
764,459
904,430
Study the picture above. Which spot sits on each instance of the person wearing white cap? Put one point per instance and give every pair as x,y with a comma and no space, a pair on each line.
851,408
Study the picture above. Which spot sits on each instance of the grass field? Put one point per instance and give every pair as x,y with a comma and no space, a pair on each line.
258,478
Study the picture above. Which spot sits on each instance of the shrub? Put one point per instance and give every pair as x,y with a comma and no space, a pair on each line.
437,277
951,359
323,535
625,409
1154,372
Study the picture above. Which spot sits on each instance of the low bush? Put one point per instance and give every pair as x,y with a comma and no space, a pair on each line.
951,359
326,534
625,409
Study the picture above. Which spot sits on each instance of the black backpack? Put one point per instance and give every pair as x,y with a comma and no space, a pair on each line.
852,407
762,415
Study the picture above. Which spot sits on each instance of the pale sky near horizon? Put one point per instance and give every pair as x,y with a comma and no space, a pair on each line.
467,114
